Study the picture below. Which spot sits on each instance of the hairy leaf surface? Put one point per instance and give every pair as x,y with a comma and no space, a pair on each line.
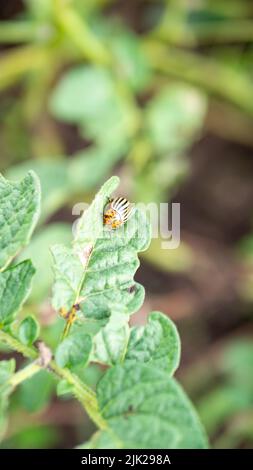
98,271
157,342
19,212
145,408
15,284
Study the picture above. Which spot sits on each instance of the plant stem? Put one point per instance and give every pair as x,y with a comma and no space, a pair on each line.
232,30
12,32
78,31
15,344
176,32
81,391
17,62
24,374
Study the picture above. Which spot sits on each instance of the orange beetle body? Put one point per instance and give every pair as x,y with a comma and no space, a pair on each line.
118,213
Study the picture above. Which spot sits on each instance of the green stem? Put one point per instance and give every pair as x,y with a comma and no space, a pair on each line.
24,374
231,30
15,344
176,32
217,79
78,31
81,391
12,32
19,61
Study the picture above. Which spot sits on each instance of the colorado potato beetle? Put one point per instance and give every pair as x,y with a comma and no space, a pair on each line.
118,212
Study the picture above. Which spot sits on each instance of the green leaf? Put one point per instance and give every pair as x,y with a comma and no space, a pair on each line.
132,63
28,330
19,212
102,440
74,350
64,388
90,226
41,10
145,408
90,375
99,270
65,178
174,117
157,343
73,101
55,186
7,368
15,284
35,393
110,343
160,178
89,96
88,168
38,251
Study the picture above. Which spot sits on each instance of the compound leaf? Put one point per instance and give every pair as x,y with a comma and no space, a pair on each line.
98,271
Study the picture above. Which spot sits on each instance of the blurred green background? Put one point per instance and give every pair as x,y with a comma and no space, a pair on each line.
160,93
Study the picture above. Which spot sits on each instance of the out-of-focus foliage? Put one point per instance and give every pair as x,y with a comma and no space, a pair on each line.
35,393
125,80
39,252
229,403
110,79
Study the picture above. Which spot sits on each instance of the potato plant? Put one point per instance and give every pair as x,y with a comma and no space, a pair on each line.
136,403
